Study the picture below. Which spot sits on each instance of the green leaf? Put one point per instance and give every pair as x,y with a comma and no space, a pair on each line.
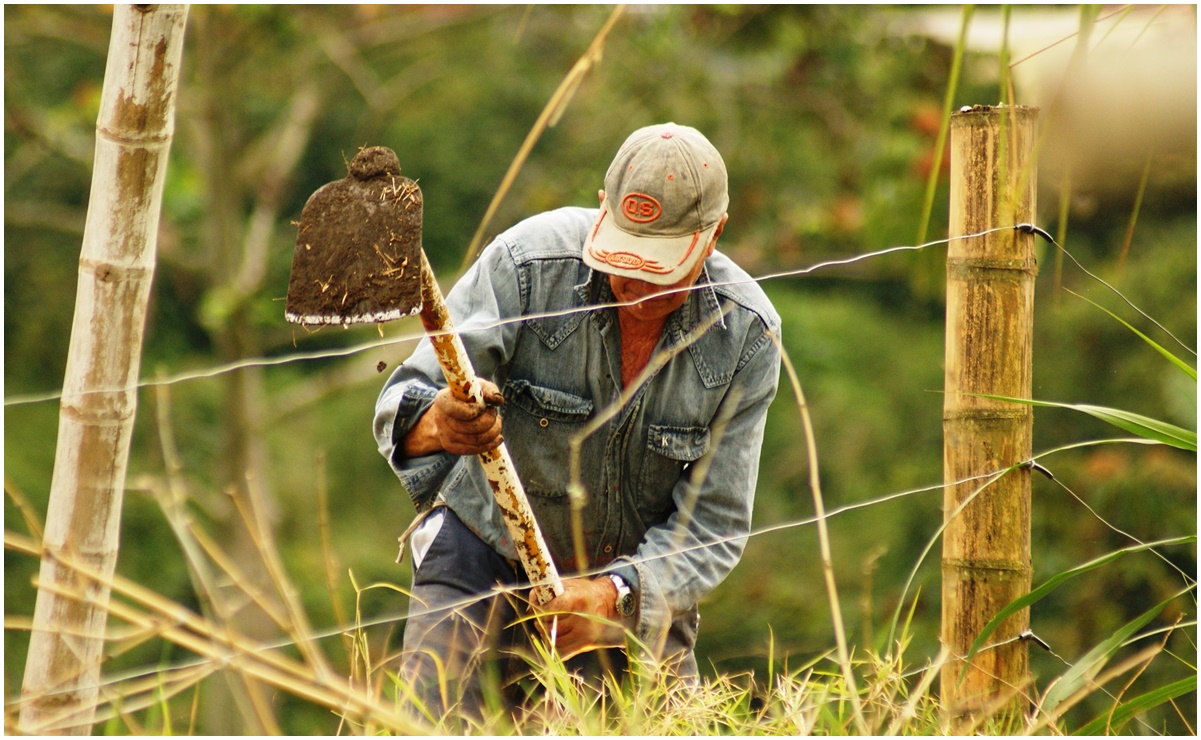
1108,724
1143,426
1054,582
1086,669
1171,357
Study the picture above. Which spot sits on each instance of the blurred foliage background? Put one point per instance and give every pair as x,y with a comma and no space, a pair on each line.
827,117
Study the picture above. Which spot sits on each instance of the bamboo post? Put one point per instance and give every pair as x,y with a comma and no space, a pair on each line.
990,312
99,401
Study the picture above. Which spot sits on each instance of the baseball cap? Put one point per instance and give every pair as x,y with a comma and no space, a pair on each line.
665,194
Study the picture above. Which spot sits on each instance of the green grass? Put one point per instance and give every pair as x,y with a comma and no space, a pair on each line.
890,694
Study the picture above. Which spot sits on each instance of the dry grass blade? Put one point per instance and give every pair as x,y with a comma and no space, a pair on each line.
327,551
216,604
1134,211
575,487
28,514
297,624
190,631
700,470
1137,660
823,536
1163,644
142,693
909,711
549,117
991,478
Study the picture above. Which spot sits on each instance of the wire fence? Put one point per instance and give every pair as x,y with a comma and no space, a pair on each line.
339,352
216,371
119,683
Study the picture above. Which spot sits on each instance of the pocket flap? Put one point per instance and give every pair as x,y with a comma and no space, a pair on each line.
685,444
547,402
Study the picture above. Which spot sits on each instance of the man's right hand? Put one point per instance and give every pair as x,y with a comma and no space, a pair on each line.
458,427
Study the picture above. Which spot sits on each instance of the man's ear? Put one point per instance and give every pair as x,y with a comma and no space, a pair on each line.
721,226
600,194
717,232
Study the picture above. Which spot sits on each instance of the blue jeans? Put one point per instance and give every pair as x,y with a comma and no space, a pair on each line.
465,650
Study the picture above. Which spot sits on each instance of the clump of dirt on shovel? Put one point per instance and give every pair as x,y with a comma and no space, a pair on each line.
357,256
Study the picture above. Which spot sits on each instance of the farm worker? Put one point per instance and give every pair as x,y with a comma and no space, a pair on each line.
660,531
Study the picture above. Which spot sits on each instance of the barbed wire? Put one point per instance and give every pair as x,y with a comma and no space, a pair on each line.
368,346
1032,229
515,591
338,352
392,617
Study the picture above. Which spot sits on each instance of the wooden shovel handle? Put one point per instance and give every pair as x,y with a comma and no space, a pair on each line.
498,466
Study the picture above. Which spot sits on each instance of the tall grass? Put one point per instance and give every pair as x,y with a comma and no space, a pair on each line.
893,696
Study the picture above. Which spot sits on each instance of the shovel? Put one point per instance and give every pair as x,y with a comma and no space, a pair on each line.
358,259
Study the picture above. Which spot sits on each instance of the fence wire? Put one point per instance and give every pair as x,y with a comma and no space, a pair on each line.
113,681
338,352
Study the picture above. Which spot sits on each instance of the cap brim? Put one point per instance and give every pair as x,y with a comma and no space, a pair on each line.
662,260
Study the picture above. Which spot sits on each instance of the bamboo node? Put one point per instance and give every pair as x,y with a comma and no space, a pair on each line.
1014,567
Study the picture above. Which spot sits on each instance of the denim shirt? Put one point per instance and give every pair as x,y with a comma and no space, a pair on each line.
674,524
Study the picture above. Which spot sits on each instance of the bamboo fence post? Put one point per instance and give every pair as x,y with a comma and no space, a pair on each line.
99,400
990,312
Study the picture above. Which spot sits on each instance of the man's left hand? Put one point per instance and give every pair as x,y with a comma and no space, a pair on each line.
582,617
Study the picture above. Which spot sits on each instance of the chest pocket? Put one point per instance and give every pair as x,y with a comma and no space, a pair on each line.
539,423
668,450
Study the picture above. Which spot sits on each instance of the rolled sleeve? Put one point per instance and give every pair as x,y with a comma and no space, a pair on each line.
397,411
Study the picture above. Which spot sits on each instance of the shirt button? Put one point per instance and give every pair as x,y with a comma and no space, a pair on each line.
608,548
543,423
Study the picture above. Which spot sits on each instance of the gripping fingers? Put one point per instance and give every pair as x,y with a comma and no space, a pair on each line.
455,410
470,443
465,428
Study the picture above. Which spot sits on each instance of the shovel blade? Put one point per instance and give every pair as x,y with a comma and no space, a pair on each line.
358,247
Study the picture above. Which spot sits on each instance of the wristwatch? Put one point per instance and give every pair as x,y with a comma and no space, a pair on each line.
626,603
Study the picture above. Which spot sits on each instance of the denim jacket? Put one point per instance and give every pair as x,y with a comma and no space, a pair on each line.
669,480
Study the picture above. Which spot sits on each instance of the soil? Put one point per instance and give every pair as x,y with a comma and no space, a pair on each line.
357,256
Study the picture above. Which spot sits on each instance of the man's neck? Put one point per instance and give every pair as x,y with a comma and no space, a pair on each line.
639,339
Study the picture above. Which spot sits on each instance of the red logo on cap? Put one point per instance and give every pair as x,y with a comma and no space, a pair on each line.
641,208
628,261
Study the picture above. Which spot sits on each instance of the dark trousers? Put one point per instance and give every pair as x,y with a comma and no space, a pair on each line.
465,647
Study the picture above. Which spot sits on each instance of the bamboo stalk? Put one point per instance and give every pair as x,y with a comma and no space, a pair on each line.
99,400
990,311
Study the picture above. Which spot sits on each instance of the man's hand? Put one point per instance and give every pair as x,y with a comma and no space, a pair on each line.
580,619
458,427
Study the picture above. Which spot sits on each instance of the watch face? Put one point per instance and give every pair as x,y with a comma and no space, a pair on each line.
625,604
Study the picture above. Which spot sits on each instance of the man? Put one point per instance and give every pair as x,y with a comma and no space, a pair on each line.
604,290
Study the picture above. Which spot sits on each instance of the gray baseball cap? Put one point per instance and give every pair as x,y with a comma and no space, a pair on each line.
665,195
